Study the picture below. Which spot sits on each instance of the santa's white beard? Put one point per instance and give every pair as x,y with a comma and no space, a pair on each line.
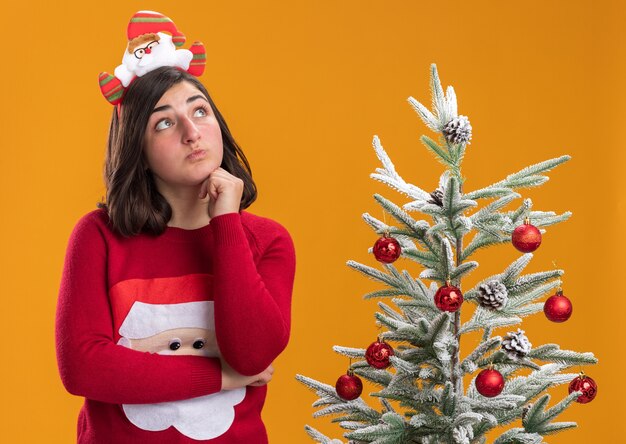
205,417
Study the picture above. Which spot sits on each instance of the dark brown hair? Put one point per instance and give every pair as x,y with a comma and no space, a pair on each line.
133,202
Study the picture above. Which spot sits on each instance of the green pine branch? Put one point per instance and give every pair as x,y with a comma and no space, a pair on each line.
539,420
526,178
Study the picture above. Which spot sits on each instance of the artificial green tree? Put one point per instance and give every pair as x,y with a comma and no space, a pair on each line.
422,394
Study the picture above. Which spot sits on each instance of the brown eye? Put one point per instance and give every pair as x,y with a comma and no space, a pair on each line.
174,344
198,344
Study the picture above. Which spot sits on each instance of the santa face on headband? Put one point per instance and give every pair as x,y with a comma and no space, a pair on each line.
149,52
179,329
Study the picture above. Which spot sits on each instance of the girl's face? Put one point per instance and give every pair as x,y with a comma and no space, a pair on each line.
183,141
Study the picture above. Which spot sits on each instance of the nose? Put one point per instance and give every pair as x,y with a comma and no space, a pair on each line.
148,50
190,131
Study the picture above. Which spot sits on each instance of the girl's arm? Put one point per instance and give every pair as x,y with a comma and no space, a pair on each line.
252,301
90,363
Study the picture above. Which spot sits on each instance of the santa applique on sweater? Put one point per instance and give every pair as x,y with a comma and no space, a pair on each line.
172,316
153,40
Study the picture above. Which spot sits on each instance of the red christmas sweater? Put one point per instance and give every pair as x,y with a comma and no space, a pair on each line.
232,278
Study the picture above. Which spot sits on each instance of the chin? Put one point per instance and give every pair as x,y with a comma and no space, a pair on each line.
201,171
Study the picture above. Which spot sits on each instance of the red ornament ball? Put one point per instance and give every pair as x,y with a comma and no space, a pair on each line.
448,298
387,249
349,386
557,307
378,353
586,385
490,383
526,238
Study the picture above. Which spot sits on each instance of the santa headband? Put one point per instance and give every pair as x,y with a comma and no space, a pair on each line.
152,42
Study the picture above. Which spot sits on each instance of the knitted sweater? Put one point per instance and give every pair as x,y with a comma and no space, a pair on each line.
239,269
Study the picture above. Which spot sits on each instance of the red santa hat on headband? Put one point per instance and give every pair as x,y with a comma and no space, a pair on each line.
152,42
150,22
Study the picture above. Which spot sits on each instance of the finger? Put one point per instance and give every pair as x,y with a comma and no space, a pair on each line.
213,189
222,173
225,177
261,381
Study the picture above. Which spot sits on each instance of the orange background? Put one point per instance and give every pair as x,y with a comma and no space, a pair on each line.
304,87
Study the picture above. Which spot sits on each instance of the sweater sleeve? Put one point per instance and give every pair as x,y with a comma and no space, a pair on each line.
252,300
90,363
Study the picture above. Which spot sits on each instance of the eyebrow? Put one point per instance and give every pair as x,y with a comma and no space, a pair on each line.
189,100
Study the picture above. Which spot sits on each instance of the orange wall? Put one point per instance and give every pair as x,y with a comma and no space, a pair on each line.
305,86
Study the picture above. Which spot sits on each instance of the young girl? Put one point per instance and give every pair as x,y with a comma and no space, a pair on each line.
174,301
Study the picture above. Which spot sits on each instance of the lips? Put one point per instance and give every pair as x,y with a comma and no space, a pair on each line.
197,155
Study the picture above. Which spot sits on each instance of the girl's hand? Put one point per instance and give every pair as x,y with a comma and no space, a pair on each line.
232,380
224,191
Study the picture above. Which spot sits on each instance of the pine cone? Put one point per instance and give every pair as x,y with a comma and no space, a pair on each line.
516,345
458,131
436,197
493,295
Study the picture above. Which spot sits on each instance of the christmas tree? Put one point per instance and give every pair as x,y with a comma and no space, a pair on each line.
420,377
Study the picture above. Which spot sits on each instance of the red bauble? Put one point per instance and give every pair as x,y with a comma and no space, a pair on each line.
558,308
586,385
490,383
526,238
448,298
378,353
349,386
387,249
